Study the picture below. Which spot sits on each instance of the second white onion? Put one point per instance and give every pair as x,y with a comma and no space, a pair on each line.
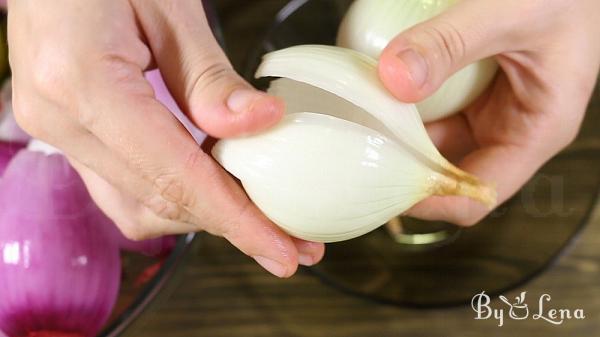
370,25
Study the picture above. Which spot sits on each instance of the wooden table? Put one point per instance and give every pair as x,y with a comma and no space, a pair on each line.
219,292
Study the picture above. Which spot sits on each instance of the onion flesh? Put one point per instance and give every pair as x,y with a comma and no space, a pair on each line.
289,173
347,157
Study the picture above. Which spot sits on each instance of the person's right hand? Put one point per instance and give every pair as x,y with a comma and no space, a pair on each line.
549,56
78,85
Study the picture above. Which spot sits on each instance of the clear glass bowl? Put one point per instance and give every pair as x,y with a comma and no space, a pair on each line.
139,288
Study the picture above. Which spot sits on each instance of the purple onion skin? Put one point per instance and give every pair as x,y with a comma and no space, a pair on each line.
7,151
59,269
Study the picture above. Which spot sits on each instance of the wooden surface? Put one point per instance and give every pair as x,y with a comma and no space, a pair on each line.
219,292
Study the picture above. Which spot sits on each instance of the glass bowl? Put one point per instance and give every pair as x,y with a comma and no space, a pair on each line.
143,278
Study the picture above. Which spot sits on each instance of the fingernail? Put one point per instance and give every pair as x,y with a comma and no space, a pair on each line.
271,266
308,252
416,64
240,100
306,259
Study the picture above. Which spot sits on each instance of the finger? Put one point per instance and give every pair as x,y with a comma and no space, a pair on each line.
152,143
309,253
199,74
134,220
512,146
508,166
452,136
92,159
139,223
419,60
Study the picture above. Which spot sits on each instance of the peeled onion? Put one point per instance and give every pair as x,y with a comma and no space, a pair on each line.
347,157
370,25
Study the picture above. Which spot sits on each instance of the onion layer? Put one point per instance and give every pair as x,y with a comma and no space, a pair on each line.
347,157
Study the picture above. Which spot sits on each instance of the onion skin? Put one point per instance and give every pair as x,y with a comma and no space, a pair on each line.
59,270
7,151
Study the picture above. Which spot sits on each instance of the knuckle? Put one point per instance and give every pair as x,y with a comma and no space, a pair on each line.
568,135
198,161
27,117
122,72
209,74
171,188
448,41
173,197
49,78
88,118
133,233
165,209
171,185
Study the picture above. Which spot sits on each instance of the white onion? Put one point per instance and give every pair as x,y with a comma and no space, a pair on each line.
289,172
347,157
370,25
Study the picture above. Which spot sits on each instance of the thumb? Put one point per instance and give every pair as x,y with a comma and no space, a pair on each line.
198,73
418,61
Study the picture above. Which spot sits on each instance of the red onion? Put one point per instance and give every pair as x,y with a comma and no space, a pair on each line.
59,269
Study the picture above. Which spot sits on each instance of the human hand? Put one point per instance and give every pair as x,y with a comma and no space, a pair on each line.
549,56
78,81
